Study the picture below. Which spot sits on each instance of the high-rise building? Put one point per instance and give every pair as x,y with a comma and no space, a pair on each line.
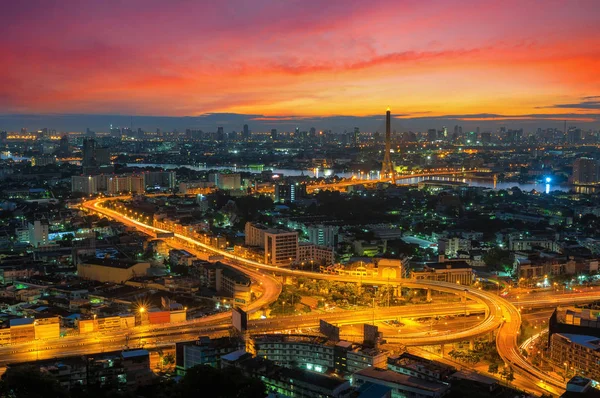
226,180
220,134
63,147
89,149
387,168
289,192
586,171
323,235
355,137
246,135
38,233
281,247
432,135
84,184
102,156
274,134
129,184
163,179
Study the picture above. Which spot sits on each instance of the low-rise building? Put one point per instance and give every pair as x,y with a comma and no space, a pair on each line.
111,270
422,368
402,385
579,354
445,271
317,353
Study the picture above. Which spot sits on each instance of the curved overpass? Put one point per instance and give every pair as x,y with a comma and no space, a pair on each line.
500,313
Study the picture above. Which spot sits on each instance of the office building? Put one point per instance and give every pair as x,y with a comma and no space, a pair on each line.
289,192
89,147
586,171
246,133
281,247
274,134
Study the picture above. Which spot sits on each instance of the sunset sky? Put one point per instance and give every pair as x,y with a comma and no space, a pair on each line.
463,60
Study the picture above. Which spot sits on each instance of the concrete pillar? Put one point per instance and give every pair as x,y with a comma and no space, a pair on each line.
429,295
463,297
442,350
472,344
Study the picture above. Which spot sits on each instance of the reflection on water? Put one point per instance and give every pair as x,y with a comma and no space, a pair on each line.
374,175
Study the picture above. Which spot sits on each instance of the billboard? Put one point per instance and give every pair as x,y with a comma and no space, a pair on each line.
239,319
330,331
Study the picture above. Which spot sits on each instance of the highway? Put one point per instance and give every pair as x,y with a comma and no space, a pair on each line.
501,315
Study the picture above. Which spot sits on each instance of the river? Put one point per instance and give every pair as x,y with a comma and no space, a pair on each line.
542,187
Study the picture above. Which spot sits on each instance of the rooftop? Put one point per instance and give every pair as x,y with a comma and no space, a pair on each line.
398,378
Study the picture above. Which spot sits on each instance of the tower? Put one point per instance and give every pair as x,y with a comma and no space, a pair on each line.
387,168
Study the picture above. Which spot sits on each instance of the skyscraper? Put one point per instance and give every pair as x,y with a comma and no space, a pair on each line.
387,168
586,171
89,149
246,132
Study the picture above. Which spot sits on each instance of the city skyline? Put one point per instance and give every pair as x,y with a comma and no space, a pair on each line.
445,63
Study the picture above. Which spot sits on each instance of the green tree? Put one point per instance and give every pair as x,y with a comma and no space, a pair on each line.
493,368
224,383
28,381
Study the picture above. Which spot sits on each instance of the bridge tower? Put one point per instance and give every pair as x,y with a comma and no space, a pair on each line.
387,168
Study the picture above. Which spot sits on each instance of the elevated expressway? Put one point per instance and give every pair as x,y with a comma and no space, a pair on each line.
501,315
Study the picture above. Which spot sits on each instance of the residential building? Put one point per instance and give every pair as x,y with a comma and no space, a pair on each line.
84,184
38,233
319,255
125,184
579,354
317,353
323,235
586,171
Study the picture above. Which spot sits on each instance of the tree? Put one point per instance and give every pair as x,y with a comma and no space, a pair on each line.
493,368
224,383
28,381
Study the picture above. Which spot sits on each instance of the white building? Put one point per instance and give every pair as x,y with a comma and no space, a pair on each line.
84,184
323,235
38,233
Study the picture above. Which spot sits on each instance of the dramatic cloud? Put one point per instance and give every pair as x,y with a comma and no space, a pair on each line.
299,59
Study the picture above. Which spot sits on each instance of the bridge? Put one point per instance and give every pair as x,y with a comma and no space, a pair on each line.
398,178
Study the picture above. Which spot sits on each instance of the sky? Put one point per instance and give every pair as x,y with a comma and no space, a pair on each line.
272,63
